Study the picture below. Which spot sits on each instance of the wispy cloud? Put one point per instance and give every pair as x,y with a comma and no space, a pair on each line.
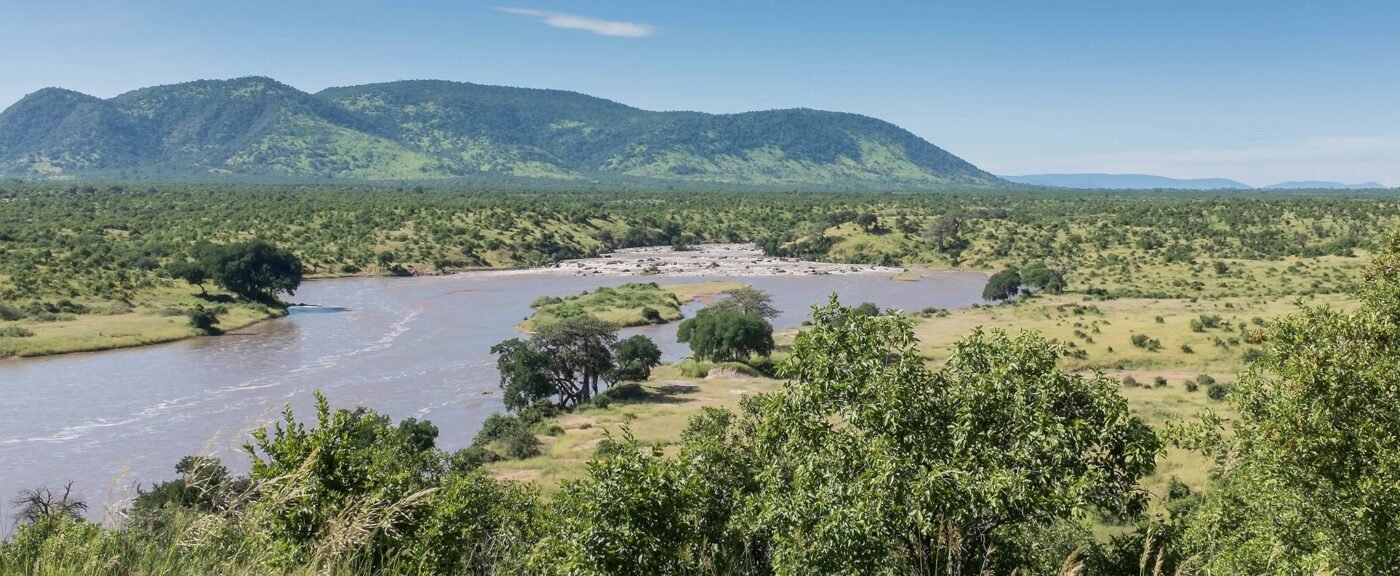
595,25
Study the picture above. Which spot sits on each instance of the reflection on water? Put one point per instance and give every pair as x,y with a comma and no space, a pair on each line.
414,347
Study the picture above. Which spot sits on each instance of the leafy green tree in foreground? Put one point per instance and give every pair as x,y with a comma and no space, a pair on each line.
1310,478
724,335
1003,285
943,472
867,462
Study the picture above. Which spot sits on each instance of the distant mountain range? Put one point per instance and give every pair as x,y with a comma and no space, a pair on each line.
1149,182
436,130
1126,182
1323,185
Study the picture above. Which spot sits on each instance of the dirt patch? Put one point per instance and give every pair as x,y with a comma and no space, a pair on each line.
724,374
516,475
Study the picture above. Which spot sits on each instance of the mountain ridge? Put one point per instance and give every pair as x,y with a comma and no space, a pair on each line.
1099,180
437,130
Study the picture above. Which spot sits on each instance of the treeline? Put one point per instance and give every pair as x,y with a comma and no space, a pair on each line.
98,245
867,461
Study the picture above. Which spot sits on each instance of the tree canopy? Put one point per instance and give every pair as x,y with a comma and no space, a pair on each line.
724,334
1003,285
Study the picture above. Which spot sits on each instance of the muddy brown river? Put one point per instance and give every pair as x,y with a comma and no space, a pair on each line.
407,347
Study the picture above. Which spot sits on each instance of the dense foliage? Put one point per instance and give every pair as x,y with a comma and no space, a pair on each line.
724,334
867,461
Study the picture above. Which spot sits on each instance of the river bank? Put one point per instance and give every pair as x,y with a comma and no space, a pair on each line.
154,318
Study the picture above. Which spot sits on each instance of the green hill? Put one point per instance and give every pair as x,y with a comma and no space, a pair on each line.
437,130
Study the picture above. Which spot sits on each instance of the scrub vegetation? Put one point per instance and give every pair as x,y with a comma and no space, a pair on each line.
1159,384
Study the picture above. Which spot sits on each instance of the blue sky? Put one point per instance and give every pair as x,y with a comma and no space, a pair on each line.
1256,91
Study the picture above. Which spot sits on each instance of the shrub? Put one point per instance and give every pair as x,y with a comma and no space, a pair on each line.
1186,349
1130,382
205,319
1146,342
15,332
651,315
626,392
1217,391
1192,386
1197,325
693,369
519,443
1205,379
10,313
1159,382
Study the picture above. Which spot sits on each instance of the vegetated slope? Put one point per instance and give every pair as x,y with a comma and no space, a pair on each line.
1126,182
439,130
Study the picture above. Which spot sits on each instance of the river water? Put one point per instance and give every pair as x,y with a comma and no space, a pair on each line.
407,347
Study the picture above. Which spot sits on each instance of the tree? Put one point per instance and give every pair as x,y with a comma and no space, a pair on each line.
1003,285
726,335
749,300
32,506
565,360
1052,279
868,221
524,373
956,471
192,272
635,357
254,270
943,232
1312,468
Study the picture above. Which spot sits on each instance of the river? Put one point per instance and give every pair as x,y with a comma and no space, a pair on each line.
407,347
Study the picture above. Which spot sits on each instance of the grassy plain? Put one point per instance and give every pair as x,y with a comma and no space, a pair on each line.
158,316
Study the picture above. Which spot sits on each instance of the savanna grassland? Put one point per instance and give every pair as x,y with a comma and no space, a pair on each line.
1135,409
83,267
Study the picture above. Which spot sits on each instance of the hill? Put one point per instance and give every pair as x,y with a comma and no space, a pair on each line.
436,130
1125,182
1323,185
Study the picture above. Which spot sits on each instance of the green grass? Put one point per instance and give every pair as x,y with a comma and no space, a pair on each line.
158,315
624,305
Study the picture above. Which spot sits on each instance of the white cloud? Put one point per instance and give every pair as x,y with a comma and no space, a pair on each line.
594,25
1344,158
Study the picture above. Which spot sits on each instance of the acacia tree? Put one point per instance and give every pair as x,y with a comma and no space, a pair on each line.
254,270
749,300
1047,277
567,360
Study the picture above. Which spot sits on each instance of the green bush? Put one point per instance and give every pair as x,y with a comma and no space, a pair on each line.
520,443
15,332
